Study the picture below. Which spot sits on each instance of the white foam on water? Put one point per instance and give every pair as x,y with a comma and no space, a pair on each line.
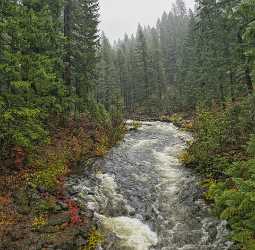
133,234
142,144
109,189
108,182
167,163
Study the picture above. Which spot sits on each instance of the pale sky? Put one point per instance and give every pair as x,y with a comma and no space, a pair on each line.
120,16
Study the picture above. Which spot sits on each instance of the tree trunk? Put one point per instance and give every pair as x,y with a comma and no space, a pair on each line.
67,34
248,80
247,73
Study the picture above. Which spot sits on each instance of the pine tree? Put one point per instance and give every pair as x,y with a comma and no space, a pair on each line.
108,90
30,87
82,40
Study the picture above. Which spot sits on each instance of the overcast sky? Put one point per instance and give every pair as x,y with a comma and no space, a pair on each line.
120,16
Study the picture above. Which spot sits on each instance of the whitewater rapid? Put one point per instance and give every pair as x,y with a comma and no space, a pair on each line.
145,199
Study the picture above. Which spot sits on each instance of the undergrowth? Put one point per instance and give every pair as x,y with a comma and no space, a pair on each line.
224,152
33,180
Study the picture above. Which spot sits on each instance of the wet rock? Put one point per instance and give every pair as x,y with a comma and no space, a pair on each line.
212,231
99,248
130,210
91,193
147,217
139,217
92,206
87,214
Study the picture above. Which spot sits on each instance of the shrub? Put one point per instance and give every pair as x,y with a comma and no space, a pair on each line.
109,133
234,200
251,146
48,204
74,212
48,177
185,158
221,135
224,150
176,119
21,127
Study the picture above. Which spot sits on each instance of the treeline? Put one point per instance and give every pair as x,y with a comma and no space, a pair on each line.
203,57
142,68
218,65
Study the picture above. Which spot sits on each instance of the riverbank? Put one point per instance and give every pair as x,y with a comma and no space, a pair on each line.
223,154
37,208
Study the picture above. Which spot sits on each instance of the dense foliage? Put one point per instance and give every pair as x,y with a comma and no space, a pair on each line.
50,120
223,151
48,57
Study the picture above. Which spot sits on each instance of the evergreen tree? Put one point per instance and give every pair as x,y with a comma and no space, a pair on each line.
81,33
108,90
47,66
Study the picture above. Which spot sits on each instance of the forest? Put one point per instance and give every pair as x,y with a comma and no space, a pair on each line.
66,91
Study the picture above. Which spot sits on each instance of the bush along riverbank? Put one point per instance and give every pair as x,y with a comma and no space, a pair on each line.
37,211
223,152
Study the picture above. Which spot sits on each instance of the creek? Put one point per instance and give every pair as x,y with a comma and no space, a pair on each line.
145,199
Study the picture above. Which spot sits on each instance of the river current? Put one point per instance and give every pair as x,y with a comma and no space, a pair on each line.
146,199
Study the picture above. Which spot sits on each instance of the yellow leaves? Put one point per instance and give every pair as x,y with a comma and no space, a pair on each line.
39,221
103,144
48,177
135,125
94,239
189,125
101,150
185,157
176,119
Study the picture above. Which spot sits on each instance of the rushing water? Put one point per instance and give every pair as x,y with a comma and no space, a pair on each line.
146,199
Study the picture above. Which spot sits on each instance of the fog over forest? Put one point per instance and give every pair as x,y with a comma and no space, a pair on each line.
122,16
